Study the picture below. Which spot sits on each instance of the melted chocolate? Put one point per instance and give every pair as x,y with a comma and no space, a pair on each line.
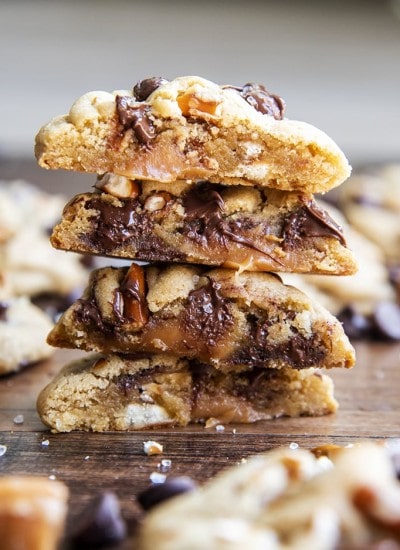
87,313
262,100
3,311
125,224
144,88
135,116
298,352
310,221
115,224
207,315
204,209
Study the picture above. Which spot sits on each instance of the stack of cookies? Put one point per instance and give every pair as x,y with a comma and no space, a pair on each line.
214,189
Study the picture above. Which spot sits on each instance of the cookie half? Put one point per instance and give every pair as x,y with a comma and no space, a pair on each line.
249,228
220,317
192,129
101,393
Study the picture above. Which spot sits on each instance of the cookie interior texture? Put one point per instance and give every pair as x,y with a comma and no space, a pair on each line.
101,393
191,129
239,227
286,499
220,317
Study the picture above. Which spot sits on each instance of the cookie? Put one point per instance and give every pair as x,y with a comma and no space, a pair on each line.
192,129
23,332
221,317
285,499
102,393
33,512
370,201
248,228
28,264
363,290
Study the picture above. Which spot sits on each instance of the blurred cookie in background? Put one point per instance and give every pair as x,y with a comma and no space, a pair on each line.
366,302
370,200
28,264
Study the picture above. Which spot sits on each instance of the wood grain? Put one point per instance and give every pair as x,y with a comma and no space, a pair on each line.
89,463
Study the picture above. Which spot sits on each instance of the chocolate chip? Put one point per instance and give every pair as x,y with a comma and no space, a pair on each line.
386,320
355,324
261,99
101,523
3,311
132,115
158,492
144,88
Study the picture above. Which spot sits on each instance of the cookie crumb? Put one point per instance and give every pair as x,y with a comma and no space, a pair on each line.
211,422
152,448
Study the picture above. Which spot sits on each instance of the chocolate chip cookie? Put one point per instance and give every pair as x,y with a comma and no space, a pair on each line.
252,228
100,393
221,317
192,129
286,499
23,331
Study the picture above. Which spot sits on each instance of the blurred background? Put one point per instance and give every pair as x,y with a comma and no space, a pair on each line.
337,64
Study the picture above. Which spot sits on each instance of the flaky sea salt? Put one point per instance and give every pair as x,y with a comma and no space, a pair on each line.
157,477
45,443
219,428
165,465
3,450
18,419
293,445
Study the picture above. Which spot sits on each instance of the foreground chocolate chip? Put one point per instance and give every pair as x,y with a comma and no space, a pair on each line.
3,311
158,492
101,524
386,320
144,88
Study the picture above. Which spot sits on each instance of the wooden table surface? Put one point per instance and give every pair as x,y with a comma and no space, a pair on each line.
91,462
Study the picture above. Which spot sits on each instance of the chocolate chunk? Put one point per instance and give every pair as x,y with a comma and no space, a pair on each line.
205,224
310,221
101,523
135,116
298,352
262,100
158,492
386,319
144,88
115,224
3,311
355,324
207,315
